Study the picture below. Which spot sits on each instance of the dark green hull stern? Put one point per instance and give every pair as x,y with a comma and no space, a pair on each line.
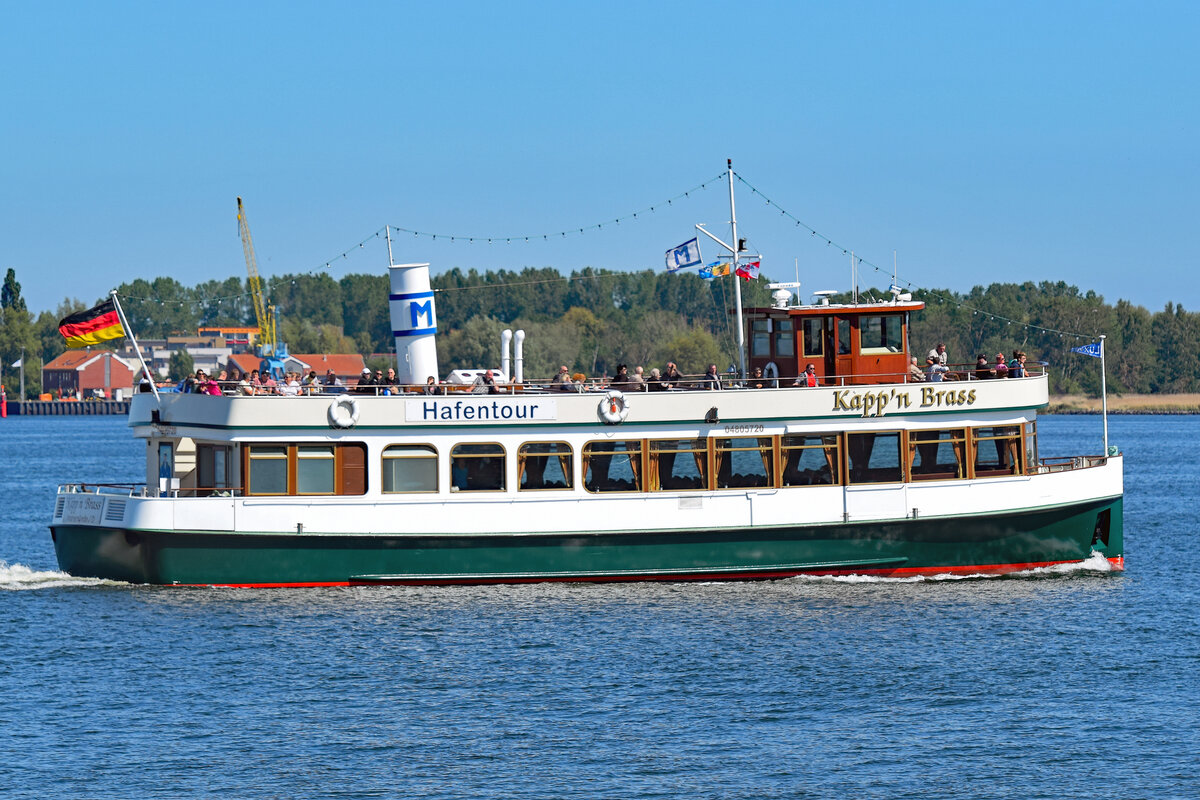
1005,542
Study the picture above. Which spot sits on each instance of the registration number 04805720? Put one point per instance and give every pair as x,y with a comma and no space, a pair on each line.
744,428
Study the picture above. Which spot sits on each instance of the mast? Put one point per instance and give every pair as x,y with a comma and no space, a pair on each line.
737,285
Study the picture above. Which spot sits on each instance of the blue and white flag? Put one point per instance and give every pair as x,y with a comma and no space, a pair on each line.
1092,350
685,255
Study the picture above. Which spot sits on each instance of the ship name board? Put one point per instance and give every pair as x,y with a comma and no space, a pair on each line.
877,404
82,510
492,409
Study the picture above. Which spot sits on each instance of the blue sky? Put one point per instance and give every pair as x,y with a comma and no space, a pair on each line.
983,142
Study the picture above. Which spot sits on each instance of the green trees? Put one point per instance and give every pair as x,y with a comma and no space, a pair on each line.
18,340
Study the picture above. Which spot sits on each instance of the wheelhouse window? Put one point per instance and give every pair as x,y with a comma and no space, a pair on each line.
811,460
477,468
997,450
544,465
760,338
679,464
874,457
784,338
410,469
813,340
843,336
743,463
881,334
268,473
937,455
613,466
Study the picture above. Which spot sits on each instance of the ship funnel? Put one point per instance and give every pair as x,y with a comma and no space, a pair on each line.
414,323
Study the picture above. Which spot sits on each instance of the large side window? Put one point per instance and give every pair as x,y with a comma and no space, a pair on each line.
760,338
214,465
996,451
410,468
937,455
745,463
613,466
811,460
268,473
785,338
477,468
882,334
679,464
874,457
544,465
813,341
315,469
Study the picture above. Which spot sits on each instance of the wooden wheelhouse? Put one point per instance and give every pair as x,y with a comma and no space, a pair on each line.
847,344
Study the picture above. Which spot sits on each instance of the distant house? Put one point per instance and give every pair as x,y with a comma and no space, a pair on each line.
83,372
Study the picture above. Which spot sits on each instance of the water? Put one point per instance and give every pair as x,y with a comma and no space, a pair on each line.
1063,683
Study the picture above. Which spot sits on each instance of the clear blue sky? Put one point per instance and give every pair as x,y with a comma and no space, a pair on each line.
984,142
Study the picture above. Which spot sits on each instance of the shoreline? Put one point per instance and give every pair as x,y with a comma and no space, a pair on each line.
1125,404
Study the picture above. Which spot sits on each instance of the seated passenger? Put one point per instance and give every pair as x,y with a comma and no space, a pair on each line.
1000,368
1016,367
366,384
983,370
711,379
432,387
485,384
655,383
757,381
637,381
915,373
936,371
562,381
672,379
808,377
621,381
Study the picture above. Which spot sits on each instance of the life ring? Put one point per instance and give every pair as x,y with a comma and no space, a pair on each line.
614,407
343,412
771,373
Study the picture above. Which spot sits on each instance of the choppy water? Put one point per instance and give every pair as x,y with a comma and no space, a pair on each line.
1062,683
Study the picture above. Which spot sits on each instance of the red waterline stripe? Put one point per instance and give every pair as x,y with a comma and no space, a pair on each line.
1117,562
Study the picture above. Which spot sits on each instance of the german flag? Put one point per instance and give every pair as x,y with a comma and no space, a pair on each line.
96,325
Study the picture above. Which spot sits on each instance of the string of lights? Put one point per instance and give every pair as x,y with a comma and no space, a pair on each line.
859,261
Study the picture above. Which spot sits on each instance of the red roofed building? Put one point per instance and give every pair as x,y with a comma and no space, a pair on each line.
84,371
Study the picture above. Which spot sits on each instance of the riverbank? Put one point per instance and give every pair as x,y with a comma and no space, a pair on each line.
1126,404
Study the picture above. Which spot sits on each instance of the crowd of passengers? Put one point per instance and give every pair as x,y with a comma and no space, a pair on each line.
293,384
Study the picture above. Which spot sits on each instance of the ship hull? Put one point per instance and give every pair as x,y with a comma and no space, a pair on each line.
984,543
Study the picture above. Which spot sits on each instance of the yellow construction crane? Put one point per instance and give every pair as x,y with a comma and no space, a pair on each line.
266,321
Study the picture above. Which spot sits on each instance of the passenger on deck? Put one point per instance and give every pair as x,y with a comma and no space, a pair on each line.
808,377
290,386
915,373
366,384
935,371
672,379
432,387
485,384
655,383
983,370
621,380
391,382
562,381
938,354
757,381
332,380
1016,367
1001,366
711,379
244,387
637,381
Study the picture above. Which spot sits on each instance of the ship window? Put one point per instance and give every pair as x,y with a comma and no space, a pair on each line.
883,334
314,469
409,468
843,337
268,469
745,462
811,460
996,451
937,455
679,464
213,464
760,338
612,466
785,338
874,457
544,465
812,337
477,468
1031,450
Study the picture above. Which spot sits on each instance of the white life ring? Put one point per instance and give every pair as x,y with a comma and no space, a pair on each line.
771,373
614,407
343,412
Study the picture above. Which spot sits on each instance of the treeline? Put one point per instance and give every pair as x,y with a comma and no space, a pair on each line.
592,320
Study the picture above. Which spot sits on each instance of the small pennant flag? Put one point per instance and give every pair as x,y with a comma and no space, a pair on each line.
685,255
93,326
18,363
1092,350
720,269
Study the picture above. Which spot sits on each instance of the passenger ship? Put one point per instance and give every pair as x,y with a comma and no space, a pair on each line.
866,473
